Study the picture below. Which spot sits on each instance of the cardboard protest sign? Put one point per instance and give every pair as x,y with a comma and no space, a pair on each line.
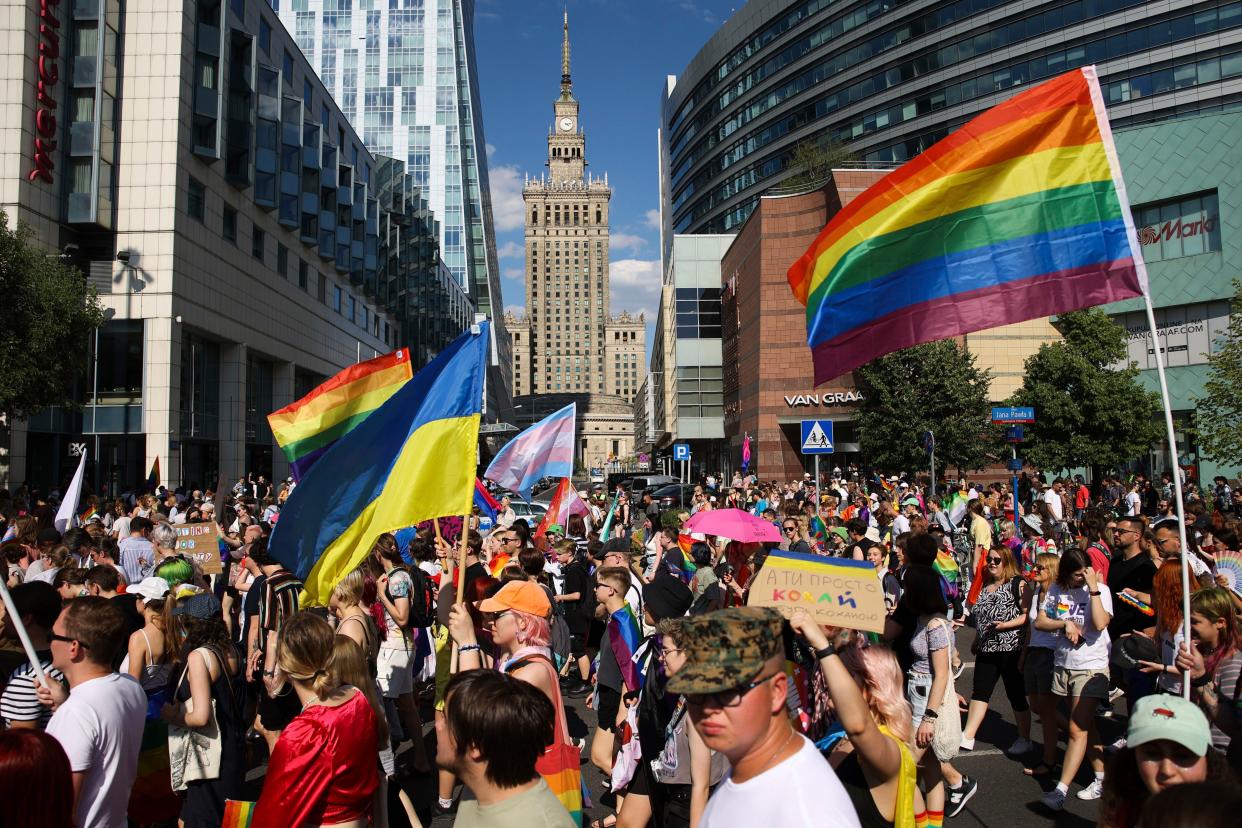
198,541
837,591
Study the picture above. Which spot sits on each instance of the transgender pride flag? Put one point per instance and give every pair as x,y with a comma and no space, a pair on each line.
546,449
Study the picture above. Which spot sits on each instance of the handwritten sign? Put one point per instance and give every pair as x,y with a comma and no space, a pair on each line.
837,591
198,541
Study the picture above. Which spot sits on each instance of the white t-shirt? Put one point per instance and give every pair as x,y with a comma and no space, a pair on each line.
100,728
802,790
1054,504
901,525
120,527
1133,503
1074,605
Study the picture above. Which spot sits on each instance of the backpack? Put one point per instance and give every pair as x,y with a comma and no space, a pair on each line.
963,545
710,600
422,599
559,640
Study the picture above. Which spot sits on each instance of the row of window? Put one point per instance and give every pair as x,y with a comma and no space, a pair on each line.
342,301
996,79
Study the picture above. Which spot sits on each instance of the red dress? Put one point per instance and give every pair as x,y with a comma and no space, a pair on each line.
324,768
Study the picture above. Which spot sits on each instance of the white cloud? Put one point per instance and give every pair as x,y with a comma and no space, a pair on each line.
510,250
491,150
514,273
635,285
508,210
652,219
516,310
625,241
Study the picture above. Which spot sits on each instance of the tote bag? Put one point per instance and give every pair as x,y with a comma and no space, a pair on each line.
194,753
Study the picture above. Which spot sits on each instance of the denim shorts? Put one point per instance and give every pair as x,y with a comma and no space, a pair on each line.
918,688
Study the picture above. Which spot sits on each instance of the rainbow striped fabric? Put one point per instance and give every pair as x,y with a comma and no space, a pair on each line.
304,430
1019,214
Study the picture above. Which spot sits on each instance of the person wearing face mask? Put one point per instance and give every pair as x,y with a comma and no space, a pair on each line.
1167,744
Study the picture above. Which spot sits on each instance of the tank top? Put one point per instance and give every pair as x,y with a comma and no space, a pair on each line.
850,773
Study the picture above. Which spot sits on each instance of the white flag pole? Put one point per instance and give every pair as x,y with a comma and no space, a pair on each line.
1171,436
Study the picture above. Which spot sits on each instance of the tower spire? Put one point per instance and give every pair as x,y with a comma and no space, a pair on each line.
566,84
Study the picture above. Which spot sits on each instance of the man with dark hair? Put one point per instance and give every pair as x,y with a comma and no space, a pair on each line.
493,731
37,604
99,722
136,552
104,581
276,602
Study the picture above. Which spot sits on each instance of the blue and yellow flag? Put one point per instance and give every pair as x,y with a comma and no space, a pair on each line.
413,459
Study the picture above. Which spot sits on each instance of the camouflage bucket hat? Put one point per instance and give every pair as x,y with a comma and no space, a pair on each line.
727,648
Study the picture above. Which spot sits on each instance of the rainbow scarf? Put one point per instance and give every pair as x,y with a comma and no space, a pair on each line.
1020,214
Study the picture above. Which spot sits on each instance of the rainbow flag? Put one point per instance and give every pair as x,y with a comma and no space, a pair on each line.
153,477
237,814
1021,213
304,430
90,512
412,460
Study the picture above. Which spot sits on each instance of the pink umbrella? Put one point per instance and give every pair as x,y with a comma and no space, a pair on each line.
733,524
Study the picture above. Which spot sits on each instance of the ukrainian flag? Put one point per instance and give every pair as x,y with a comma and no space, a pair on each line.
412,460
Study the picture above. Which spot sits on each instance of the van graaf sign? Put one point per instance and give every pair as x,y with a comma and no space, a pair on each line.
828,398
1188,333
47,76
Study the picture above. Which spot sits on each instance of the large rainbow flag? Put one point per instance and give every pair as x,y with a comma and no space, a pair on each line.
1019,214
304,430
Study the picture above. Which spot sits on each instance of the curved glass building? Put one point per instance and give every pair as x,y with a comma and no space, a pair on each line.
891,77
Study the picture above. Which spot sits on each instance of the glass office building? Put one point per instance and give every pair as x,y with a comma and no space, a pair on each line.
891,77
244,242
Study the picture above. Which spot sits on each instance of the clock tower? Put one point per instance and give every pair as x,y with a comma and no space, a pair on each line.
566,143
569,346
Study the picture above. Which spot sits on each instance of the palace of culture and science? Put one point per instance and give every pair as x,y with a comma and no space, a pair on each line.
568,347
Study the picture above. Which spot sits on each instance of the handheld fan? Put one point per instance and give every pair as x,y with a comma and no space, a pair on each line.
1229,564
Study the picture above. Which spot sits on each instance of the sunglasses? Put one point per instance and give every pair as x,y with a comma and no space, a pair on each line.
791,528
994,561
725,698
66,639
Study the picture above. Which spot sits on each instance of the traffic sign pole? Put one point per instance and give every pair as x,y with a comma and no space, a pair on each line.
817,500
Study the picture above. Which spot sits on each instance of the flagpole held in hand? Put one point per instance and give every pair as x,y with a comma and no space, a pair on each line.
461,578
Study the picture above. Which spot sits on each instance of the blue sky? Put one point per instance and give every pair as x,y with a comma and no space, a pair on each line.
621,52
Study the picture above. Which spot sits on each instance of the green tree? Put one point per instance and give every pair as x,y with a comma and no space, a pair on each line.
1088,412
1218,417
49,314
814,160
934,387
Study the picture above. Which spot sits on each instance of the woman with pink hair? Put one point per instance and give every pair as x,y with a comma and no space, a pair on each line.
866,686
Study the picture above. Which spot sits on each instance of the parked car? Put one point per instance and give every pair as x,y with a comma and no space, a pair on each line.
674,494
641,484
527,510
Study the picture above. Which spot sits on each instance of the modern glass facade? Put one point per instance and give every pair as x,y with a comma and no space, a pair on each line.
891,77
403,72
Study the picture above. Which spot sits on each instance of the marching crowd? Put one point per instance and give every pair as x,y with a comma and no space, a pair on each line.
161,682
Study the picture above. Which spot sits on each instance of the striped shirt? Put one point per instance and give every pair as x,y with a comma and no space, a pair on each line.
19,702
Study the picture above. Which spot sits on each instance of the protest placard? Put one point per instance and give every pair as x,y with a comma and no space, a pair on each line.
836,591
198,541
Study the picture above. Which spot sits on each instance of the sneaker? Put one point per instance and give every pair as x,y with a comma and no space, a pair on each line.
1093,790
1054,800
1105,710
958,669
1115,693
1020,747
959,796
1115,746
968,744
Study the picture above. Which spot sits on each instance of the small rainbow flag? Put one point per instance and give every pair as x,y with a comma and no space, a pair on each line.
1019,214
153,477
90,512
237,814
304,430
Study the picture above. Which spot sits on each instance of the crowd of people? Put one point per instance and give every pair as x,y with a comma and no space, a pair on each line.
157,686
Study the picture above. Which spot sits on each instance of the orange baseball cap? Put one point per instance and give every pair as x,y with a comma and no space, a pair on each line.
523,596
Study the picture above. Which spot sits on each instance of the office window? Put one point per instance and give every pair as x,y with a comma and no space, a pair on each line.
365,322
336,298
196,204
322,293
287,65
265,35
303,275
350,305
230,225
258,240
1184,226
282,260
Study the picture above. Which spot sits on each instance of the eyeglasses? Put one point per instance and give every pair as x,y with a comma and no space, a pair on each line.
662,652
994,561
1037,568
66,639
726,698
605,586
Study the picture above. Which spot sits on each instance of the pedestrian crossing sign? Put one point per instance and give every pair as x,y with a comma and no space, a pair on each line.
817,437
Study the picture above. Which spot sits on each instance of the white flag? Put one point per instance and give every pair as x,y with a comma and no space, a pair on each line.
67,514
